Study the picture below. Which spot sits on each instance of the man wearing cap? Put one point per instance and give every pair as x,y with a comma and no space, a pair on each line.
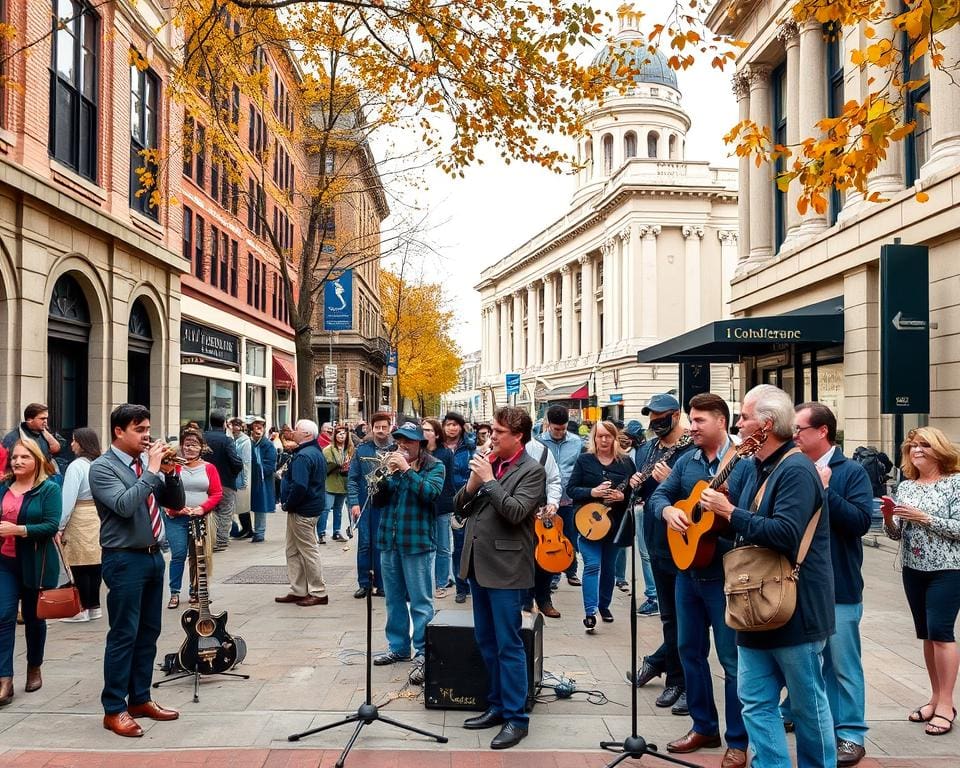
406,539
263,465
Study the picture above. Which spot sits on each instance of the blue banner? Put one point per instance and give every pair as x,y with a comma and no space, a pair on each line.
513,384
393,362
338,302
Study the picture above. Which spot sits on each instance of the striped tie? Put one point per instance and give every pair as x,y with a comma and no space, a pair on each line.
152,506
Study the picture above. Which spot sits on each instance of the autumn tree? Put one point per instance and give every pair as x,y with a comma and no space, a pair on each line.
420,327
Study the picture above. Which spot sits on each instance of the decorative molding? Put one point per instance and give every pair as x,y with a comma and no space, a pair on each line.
533,285
728,236
650,230
626,233
518,294
788,32
758,75
689,230
609,246
740,83
565,269
585,258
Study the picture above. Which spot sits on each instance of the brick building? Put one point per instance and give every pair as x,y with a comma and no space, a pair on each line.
89,271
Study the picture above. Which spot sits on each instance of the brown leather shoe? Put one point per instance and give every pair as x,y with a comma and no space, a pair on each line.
313,600
734,758
289,598
34,680
6,691
152,710
122,724
549,611
692,742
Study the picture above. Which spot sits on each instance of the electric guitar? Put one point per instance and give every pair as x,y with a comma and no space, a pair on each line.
554,552
696,546
208,648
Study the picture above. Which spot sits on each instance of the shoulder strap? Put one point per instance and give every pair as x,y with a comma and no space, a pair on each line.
63,560
543,455
727,457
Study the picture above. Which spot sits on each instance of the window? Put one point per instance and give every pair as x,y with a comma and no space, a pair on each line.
256,132
588,154
630,145
187,233
201,155
329,162
74,80
188,130
607,153
256,362
234,278
329,220
249,279
653,141
779,82
835,58
224,261
256,399
672,145
917,143
198,247
214,256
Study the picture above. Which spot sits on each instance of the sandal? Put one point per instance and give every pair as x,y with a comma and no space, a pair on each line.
174,601
933,729
917,715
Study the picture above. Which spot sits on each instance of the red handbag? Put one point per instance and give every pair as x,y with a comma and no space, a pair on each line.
60,602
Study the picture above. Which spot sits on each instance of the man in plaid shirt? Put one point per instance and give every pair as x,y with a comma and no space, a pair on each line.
407,544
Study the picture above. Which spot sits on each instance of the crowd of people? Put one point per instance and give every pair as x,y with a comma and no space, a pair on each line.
441,508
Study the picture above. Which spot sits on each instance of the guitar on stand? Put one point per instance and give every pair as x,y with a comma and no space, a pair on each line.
208,649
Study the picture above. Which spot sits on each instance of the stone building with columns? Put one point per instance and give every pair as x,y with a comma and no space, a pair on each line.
828,265
645,251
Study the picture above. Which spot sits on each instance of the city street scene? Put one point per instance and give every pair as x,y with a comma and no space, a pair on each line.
479,383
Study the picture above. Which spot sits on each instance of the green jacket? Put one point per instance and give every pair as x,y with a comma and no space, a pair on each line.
40,513
336,482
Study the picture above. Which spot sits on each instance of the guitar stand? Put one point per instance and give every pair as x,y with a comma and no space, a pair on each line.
368,711
196,675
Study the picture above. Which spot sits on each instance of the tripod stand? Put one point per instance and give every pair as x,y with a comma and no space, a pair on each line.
634,746
196,675
368,711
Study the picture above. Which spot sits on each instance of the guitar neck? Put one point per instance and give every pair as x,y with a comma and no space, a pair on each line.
721,477
203,596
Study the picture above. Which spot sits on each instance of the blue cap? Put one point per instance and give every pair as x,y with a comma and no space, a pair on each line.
634,428
662,403
410,431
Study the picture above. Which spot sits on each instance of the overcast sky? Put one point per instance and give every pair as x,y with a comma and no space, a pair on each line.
476,220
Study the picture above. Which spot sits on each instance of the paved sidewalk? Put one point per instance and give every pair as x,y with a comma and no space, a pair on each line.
306,670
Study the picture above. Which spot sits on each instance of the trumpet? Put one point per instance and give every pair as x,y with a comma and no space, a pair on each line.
381,471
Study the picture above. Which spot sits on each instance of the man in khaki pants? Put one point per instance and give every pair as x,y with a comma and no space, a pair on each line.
302,496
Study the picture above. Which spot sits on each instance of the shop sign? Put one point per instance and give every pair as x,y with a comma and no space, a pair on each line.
904,329
208,344
338,302
513,384
616,398
330,381
393,362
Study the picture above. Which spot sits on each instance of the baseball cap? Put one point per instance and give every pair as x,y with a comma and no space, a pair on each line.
634,428
410,431
662,403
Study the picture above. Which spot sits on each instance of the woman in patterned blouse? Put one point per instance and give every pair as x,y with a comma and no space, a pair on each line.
926,516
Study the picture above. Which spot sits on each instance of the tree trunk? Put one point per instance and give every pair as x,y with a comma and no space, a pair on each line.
306,380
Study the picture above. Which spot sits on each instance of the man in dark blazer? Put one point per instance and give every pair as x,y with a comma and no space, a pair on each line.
224,456
130,483
499,502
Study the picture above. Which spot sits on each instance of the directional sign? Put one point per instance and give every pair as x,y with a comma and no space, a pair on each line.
513,384
904,329
902,324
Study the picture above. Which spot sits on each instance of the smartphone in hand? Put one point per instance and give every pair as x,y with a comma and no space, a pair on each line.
886,506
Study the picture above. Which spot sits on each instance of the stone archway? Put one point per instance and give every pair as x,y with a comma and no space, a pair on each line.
68,356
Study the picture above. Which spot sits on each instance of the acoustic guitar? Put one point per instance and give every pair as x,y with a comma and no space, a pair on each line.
208,648
593,519
696,546
554,552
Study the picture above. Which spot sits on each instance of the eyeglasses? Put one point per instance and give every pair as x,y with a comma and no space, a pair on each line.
798,430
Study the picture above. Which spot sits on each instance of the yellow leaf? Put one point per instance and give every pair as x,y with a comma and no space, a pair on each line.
922,197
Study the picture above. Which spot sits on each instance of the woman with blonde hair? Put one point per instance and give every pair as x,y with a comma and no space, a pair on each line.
30,507
926,518
601,474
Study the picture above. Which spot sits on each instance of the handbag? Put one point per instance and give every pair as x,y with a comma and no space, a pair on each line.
60,602
761,584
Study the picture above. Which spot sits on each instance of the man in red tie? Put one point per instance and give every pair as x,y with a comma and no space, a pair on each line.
130,482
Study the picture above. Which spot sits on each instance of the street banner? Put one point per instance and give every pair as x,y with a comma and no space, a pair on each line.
338,302
513,384
330,381
904,329
393,366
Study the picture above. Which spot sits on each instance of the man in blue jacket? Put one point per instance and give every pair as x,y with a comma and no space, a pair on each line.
787,493
303,495
850,498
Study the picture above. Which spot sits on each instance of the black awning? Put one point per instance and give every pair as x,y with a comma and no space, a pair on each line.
727,341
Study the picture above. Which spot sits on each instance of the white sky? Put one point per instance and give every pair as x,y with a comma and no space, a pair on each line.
476,220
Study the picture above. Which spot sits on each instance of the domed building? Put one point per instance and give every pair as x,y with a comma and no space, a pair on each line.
645,252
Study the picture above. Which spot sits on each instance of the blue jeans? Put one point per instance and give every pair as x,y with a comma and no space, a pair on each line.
334,503
763,673
12,592
407,580
178,537
260,525
463,586
646,572
599,560
496,624
700,607
134,608
368,556
843,675
444,551
571,532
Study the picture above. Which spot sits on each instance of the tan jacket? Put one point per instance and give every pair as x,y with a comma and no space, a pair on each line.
499,539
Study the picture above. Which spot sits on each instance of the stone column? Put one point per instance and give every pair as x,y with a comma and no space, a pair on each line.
944,107
549,319
518,330
761,179
813,104
861,356
789,35
649,304
691,276
533,324
851,199
503,338
741,90
728,267
484,340
628,286
887,179
614,281
588,304
610,292
566,312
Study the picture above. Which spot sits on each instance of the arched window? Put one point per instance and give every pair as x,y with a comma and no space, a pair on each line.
139,345
588,155
630,145
607,153
653,139
68,335
672,143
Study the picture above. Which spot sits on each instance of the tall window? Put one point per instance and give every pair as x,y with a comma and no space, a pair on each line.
779,82
74,78
144,103
234,266
653,140
187,233
917,144
672,144
835,57
630,145
198,247
607,153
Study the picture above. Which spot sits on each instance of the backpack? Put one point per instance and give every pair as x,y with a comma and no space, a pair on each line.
877,464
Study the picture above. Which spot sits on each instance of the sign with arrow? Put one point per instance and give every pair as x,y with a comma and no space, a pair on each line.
904,329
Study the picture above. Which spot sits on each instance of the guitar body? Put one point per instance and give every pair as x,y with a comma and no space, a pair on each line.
554,552
696,547
208,648
593,520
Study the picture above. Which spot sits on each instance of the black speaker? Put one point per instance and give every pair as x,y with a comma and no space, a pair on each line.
455,676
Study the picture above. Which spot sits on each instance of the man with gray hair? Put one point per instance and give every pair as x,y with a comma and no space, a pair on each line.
774,511
302,496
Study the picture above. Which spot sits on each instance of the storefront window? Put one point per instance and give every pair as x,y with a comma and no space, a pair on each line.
256,361
283,407
223,396
256,399
193,399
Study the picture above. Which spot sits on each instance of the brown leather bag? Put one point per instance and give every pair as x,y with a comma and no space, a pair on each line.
61,602
761,584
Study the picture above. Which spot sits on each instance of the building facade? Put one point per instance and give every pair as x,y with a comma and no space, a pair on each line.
645,251
90,266
466,398
789,77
